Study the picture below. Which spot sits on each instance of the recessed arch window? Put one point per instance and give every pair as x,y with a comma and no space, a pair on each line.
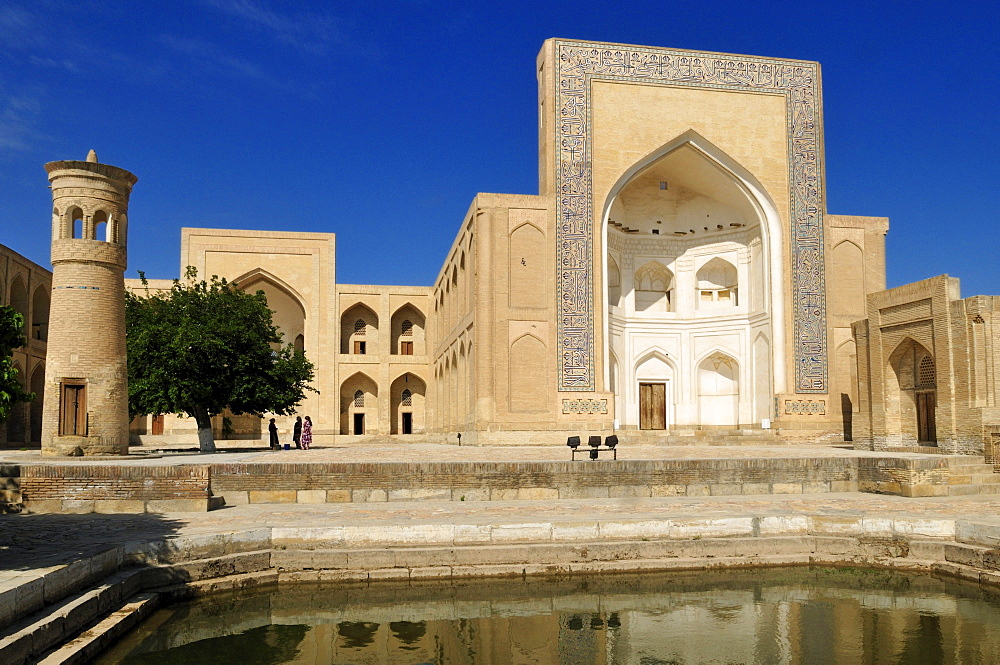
360,327
406,329
717,284
359,398
407,398
654,286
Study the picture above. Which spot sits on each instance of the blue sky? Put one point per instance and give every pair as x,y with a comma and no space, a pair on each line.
379,121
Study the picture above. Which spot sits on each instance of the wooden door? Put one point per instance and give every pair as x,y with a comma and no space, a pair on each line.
652,406
926,423
157,425
73,412
406,348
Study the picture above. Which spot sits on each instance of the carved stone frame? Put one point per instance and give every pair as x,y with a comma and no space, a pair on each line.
578,64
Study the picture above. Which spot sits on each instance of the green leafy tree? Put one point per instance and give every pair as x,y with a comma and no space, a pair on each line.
203,347
11,337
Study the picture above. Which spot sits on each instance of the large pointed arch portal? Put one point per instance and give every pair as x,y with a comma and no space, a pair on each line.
578,66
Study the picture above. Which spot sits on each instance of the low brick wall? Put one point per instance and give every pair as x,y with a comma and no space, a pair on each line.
89,488
504,481
904,476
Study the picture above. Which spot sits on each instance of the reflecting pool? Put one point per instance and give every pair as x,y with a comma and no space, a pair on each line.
808,616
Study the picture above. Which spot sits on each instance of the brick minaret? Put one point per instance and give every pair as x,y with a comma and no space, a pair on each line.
86,382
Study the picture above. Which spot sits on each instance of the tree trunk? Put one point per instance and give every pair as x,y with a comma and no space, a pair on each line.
206,441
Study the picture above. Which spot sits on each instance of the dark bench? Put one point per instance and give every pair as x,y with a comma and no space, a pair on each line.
610,446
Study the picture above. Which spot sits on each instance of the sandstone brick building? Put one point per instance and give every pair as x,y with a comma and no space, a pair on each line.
677,270
27,287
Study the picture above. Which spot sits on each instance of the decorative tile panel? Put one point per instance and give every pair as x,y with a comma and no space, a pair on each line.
805,407
578,65
585,406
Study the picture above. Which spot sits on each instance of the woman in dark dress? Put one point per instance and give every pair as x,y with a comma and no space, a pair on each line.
297,431
273,430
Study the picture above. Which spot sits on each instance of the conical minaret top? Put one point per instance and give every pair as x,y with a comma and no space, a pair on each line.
92,157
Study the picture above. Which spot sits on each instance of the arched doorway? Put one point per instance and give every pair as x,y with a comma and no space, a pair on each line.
911,396
359,405
654,377
407,394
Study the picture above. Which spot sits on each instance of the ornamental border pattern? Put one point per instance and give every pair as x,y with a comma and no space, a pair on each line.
578,64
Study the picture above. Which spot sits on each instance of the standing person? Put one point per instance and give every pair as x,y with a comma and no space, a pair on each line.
297,431
273,431
307,433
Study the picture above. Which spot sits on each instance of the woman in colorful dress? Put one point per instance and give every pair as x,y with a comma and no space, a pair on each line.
307,433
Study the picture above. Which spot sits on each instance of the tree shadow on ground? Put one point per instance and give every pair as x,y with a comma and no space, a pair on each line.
38,540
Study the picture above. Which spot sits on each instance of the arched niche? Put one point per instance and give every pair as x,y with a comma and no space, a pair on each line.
719,390
911,395
685,205
527,273
408,331
17,418
846,280
717,284
288,312
37,386
19,298
652,286
40,301
407,396
358,405
359,330
527,379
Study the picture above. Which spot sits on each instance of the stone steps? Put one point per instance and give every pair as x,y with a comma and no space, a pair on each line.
970,475
30,638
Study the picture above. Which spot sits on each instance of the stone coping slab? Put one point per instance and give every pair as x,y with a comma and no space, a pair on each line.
426,452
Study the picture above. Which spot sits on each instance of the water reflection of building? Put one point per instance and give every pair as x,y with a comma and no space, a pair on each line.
893,620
